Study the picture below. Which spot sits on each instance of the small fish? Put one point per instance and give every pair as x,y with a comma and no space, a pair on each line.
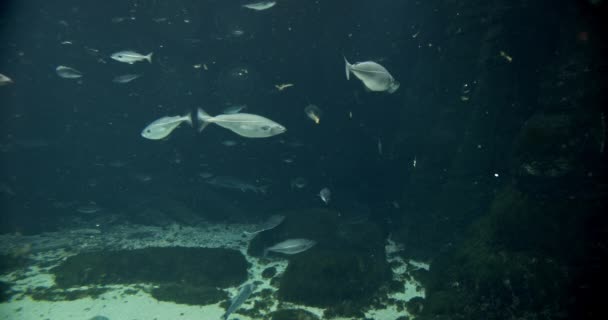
374,76
243,124
125,78
88,209
298,183
379,147
313,112
142,177
229,143
234,109
259,6
131,57
4,80
283,86
238,300
506,56
205,175
237,32
68,73
291,246
236,184
272,222
325,195
163,127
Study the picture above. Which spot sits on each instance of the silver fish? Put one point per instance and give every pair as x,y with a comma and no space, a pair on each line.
234,109
229,143
374,76
325,195
259,6
243,124
131,57
125,78
163,127
238,300
298,183
291,246
68,73
88,209
272,222
4,80
235,183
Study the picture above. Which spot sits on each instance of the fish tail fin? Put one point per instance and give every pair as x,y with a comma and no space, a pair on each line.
203,119
149,57
394,86
263,189
188,118
347,68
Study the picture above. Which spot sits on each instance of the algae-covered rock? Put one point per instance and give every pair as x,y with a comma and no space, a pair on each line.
327,278
554,145
269,272
193,266
293,314
512,259
187,294
415,305
342,272
17,260
5,291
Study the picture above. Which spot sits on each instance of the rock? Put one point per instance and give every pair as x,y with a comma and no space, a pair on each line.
191,295
269,272
342,272
293,314
185,275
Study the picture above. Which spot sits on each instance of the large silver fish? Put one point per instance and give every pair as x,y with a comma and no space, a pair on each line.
244,124
4,80
259,6
163,127
131,57
238,300
291,246
68,73
125,78
374,76
272,222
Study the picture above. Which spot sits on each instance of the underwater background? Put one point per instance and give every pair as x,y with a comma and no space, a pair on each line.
488,164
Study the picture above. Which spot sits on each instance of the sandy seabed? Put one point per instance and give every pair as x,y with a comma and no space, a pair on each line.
49,250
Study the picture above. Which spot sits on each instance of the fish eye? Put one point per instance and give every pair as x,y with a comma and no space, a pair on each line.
265,128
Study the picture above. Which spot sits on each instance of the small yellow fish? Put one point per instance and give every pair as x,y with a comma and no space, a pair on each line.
283,86
506,56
